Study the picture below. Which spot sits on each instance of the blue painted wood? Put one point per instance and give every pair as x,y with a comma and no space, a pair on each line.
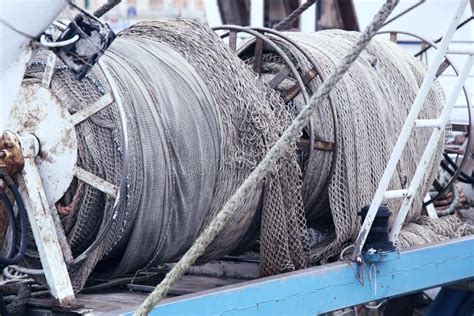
332,286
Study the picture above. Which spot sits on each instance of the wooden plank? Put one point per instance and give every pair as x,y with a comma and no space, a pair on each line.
295,89
257,63
190,284
233,40
279,77
329,15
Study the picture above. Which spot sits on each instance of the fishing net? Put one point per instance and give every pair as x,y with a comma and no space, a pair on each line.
199,121
429,230
371,104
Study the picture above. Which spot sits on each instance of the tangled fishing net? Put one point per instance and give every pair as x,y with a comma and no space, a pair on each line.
371,103
199,120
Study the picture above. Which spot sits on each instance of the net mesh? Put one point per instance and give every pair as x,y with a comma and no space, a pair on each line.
371,102
199,121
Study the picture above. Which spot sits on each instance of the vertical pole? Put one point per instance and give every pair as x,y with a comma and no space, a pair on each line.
308,18
213,14
256,13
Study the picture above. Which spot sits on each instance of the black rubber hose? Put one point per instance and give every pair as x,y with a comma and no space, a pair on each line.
460,178
456,167
12,221
441,38
23,223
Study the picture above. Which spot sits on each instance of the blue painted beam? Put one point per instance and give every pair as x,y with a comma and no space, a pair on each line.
333,286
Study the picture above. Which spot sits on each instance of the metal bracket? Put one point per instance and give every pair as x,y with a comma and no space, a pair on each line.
44,231
380,256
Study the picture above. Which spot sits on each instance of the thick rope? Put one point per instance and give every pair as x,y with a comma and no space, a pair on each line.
106,7
268,162
285,23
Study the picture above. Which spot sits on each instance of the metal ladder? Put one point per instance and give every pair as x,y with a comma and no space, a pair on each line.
412,121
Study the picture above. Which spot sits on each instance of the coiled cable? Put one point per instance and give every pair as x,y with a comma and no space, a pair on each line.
12,258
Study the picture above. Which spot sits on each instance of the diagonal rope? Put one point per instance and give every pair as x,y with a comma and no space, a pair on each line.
285,23
267,163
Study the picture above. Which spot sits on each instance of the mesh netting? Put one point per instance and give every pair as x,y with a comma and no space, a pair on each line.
429,230
371,102
200,120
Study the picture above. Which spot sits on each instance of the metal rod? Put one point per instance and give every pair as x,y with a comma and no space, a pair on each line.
92,109
95,181
404,12
65,248
428,123
395,194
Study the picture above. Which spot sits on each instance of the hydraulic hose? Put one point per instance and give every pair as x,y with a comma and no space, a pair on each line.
23,222
463,177
12,221
460,178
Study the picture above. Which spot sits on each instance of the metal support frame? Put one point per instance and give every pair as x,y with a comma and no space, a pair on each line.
430,149
444,65
411,120
44,231
333,286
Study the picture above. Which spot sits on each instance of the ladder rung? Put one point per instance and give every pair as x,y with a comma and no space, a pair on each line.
460,51
429,123
395,194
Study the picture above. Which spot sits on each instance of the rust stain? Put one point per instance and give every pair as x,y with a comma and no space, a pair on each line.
11,157
43,154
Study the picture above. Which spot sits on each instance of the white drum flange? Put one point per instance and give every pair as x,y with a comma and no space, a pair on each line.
37,111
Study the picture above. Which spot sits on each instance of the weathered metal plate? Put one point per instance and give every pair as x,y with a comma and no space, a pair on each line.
39,112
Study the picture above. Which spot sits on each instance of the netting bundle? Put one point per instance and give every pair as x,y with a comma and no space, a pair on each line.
371,104
199,121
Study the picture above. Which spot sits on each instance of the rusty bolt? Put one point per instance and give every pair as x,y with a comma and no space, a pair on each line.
11,157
